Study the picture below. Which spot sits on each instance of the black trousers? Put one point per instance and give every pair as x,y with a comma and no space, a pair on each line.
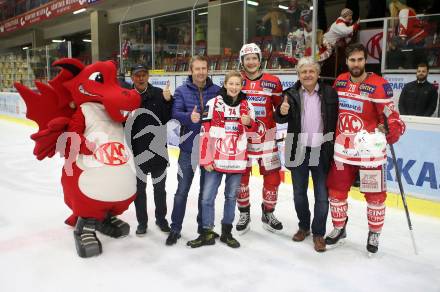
158,177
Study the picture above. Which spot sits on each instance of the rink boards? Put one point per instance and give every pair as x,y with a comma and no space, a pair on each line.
418,158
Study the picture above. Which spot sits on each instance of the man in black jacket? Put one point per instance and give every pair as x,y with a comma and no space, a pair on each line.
310,109
148,137
419,97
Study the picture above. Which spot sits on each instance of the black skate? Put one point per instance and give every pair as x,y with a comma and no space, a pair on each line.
372,242
113,227
86,242
270,222
243,222
336,236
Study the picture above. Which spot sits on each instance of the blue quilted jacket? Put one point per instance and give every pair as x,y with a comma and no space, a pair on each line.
186,97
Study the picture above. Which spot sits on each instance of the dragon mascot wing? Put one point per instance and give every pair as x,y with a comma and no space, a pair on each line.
50,107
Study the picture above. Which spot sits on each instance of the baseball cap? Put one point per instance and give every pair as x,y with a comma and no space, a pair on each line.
138,68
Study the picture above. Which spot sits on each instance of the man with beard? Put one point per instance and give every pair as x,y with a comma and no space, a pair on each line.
263,91
419,97
365,101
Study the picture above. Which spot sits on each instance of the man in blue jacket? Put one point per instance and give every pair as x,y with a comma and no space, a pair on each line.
189,102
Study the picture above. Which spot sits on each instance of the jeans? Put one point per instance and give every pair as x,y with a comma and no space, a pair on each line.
300,180
184,181
210,189
160,199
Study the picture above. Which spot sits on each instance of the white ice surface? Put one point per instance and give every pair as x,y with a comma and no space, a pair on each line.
37,251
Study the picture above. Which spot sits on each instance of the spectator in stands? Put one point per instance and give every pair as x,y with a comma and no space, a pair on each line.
419,97
395,57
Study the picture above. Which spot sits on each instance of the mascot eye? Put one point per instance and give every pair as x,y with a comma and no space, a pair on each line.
97,76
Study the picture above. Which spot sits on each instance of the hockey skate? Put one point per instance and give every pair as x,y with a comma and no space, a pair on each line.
86,242
113,227
270,222
243,222
372,243
337,236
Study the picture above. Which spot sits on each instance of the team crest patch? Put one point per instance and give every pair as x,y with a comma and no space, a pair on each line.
367,88
341,83
388,89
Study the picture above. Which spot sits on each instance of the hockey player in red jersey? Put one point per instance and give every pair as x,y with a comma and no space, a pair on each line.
365,100
263,91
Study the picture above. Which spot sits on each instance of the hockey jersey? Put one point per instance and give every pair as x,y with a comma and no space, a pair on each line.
264,93
340,30
363,106
411,27
223,138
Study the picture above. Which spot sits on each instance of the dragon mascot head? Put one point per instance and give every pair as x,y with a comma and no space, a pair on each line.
79,114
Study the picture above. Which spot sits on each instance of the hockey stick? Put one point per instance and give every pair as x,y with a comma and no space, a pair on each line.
399,181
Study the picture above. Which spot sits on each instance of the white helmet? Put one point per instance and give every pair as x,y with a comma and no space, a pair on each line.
370,144
250,48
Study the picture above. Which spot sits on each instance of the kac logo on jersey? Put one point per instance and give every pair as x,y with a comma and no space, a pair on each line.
268,84
349,123
341,83
388,90
230,145
351,105
112,153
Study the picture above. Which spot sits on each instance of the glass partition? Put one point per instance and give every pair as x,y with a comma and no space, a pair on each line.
29,65
282,29
172,42
12,68
412,40
135,41
218,35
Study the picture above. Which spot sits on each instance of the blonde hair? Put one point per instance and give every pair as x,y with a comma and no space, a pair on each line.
232,74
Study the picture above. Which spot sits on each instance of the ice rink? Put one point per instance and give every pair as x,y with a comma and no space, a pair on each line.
37,251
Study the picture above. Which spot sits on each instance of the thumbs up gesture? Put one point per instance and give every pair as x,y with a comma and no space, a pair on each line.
284,109
166,92
245,120
195,115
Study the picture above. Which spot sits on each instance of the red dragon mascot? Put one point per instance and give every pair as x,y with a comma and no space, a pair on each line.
80,114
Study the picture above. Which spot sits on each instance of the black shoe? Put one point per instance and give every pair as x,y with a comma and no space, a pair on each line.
373,242
141,230
86,243
200,231
163,226
244,220
271,223
113,227
227,238
206,238
336,235
172,238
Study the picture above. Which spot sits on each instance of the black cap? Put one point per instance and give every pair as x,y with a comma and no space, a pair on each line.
138,68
